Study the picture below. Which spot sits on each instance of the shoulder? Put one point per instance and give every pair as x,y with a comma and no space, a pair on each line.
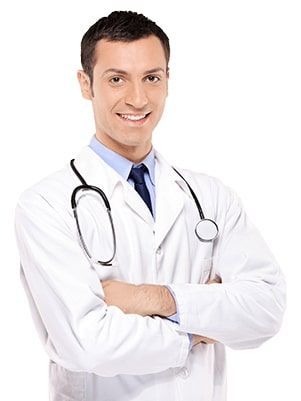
210,189
54,190
210,186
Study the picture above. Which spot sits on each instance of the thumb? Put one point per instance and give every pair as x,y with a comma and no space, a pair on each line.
215,280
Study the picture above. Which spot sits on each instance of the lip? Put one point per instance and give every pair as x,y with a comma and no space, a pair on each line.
133,123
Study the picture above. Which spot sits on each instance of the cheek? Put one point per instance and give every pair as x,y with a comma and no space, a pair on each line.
160,104
103,108
105,98
158,97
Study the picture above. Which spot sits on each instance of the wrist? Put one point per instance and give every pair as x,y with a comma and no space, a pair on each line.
157,300
168,304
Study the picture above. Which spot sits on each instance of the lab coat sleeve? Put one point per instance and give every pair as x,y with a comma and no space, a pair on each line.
247,308
79,331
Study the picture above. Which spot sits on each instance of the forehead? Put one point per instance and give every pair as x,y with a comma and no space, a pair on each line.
138,55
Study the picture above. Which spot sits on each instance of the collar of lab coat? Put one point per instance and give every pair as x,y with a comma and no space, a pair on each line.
171,190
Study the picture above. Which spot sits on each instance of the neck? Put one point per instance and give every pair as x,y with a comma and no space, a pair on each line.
133,153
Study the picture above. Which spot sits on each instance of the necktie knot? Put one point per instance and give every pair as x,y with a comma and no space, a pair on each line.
137,174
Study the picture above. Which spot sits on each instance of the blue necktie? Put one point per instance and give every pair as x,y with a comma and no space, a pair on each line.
137,175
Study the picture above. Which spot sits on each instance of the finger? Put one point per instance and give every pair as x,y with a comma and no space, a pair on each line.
207,340
215,280
104,283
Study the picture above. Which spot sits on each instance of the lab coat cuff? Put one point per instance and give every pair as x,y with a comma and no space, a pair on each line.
185,346
189,311
175,317
190,341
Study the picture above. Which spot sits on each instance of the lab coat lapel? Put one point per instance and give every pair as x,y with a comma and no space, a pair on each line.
170,198
96,172
137,204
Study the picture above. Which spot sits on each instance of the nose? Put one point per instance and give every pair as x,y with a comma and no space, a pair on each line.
136,95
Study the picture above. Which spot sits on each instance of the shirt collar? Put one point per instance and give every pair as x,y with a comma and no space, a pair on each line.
119,163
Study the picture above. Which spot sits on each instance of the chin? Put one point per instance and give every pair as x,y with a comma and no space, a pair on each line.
137,139
135,144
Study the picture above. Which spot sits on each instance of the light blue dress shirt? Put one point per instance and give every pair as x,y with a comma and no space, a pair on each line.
123,167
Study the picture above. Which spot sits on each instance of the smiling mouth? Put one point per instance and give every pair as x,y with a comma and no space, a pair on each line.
136,118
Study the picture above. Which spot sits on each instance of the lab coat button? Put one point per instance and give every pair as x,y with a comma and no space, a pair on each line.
184,373
159,250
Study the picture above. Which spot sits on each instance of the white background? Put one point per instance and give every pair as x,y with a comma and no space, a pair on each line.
233,112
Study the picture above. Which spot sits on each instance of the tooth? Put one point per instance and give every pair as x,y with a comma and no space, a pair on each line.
132,117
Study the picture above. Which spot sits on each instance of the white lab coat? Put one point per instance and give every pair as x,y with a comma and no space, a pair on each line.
99,353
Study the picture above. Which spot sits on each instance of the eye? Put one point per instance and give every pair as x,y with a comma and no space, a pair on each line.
152,78
116,80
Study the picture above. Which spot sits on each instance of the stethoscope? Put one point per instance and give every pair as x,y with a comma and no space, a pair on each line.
206,230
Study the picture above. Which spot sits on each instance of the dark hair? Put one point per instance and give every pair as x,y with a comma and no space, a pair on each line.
124,26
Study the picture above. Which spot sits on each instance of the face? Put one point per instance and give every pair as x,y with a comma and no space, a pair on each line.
130,82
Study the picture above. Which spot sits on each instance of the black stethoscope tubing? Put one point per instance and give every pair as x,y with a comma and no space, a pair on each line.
84,186
87,187
202,217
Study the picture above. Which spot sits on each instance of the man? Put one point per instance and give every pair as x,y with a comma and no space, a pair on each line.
151,321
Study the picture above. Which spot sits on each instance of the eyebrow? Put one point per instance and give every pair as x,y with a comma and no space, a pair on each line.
117,71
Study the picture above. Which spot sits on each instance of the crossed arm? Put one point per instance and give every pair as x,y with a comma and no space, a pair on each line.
145,300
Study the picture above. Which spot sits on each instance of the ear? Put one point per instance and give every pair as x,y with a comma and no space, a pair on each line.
85,85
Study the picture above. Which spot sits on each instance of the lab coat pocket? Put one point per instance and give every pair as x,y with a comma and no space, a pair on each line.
206,270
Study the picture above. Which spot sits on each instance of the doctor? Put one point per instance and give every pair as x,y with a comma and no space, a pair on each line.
155,323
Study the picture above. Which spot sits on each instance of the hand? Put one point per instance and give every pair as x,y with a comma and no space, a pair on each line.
215,280
200,339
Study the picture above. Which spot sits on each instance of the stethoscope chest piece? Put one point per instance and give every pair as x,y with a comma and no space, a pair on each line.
206,230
